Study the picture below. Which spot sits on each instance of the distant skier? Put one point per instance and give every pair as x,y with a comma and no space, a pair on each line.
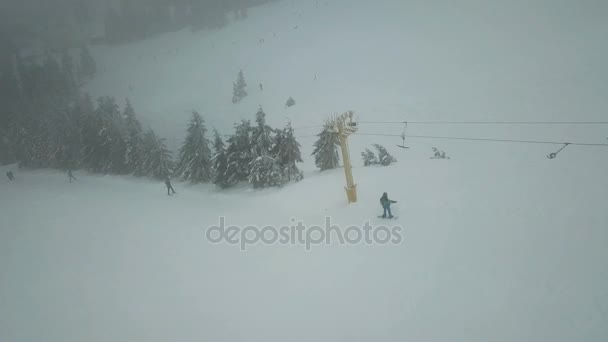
71,176
261,87
169,186
386,205
10,175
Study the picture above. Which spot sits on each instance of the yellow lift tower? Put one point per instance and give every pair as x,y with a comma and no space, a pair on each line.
343,125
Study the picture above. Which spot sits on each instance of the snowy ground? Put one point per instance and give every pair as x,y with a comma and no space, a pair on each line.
489,252
499,242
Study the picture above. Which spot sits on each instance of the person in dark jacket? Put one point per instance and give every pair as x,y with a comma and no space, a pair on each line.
386,205
169,186
10,175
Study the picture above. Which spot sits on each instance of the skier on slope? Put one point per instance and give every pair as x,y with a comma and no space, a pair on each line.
10,175
71,176
169,186
386,205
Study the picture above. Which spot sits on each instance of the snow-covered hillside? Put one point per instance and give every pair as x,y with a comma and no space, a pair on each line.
498,243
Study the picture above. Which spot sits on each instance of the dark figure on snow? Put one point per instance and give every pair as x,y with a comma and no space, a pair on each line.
71,176
261,87
10,175
386,205
169,186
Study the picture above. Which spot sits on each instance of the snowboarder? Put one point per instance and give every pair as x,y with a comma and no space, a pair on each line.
71,176
386,205
10,175
169,186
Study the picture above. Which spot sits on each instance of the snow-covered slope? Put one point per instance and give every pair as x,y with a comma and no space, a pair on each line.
488,252
498,243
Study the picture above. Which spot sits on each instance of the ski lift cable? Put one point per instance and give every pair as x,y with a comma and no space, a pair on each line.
473,123
469,123
490,122
486,139
308,127
307,136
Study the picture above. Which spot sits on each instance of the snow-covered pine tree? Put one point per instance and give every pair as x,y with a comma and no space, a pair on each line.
35,123
219,162
104,137
326,150
265,169
81,109
21,127
88,67
438,154
265,172
290,102
288,153
64,137
239,153
157,161
384,158
10,97
194,159
134,139
238,88
33,145
84,111
261,134
91,125
114,136
369,158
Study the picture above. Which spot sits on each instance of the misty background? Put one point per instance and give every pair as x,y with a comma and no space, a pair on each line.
230,99
60,24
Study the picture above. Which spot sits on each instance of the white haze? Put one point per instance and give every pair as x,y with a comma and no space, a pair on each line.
499,244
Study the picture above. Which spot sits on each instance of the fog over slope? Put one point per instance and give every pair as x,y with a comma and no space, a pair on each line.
387,60
499,243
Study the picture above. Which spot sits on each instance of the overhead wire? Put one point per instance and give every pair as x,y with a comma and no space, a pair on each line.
484,139
489,122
